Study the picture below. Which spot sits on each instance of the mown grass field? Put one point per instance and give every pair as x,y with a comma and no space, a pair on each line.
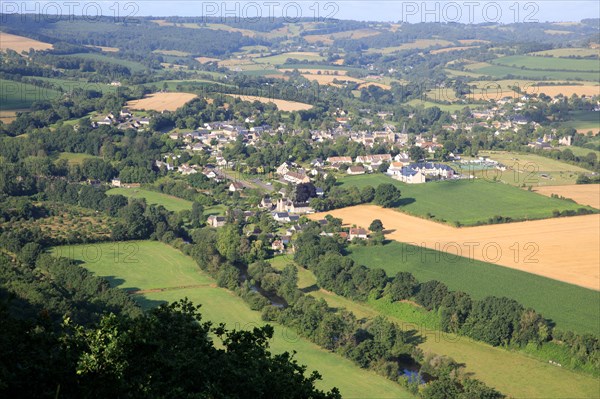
466,201
531,169
75,158
583,121
569,51
17,95
156,265
170,202
443,107
513,373
569,306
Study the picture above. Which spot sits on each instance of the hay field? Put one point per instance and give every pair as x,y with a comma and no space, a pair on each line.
282,105
204,60
161,101
21,43
551,248
584,194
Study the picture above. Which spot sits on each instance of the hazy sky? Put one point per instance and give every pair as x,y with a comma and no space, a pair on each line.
466,11
387,10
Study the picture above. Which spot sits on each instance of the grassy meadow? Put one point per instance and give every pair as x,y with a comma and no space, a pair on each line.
479,200
154,266
170,202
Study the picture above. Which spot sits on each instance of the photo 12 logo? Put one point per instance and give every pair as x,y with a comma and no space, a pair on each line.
469,11
252,11
54,11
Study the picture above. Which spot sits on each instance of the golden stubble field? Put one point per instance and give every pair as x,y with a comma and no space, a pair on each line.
20,43
161,101
565,249
282,105
584,194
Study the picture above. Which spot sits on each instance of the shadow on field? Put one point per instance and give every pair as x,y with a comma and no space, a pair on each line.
309,289
405,201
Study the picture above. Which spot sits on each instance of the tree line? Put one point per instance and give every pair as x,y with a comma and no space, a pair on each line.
496,321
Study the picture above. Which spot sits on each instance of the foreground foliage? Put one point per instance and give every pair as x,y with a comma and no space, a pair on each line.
167,352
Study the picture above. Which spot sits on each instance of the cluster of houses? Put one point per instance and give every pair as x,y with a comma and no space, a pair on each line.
125,120
285,210
546,142
418,172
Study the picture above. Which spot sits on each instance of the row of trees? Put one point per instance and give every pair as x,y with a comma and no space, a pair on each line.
497,321
376,344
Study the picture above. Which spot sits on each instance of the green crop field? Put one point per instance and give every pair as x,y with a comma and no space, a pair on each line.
153,197
467,201
502,71
155,265
569,306
514,373
548,63
17,95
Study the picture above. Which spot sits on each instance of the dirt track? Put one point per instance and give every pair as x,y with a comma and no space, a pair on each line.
565,249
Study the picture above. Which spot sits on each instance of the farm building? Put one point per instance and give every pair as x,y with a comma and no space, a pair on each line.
355,170
236,186
216,221
357,232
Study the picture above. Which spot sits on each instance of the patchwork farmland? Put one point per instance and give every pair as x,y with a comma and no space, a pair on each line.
549,248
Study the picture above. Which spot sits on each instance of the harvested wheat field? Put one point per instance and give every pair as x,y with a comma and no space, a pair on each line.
282,105
204,60
21,43
551,248
328,79
584,194
161,101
